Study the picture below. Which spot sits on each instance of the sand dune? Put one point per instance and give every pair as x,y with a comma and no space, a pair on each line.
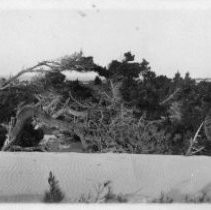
24,175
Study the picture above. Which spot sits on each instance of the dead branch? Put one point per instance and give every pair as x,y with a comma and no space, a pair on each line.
62,110
115,89
33,69
197,150
16,148
65,110
193,141
170,97
29,70
50,107
55,66
69,111
76,113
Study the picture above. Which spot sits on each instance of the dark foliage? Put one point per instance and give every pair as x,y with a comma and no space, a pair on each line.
54,79
78,89
102,71
29,137
12,97
126,68
97,81
3,133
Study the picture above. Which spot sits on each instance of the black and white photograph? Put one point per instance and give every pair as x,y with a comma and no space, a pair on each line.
105,102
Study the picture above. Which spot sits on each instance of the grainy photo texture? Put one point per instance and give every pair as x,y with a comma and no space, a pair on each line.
105,101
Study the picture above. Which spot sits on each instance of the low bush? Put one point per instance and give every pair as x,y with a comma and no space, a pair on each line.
54,195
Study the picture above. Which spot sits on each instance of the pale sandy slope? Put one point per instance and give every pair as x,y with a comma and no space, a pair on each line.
23,176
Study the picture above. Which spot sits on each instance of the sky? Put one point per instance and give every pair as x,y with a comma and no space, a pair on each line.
173,35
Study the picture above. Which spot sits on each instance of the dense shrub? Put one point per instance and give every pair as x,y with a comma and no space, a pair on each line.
170,110
54,79
29,137
12,97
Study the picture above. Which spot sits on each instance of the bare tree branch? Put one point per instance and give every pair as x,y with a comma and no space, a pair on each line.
29,70
193,141
170,97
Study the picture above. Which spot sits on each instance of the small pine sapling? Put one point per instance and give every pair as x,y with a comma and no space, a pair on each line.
54,195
